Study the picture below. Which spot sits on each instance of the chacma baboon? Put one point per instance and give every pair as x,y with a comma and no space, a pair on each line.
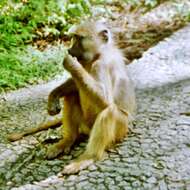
99,98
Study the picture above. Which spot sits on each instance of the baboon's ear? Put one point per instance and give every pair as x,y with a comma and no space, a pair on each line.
104,35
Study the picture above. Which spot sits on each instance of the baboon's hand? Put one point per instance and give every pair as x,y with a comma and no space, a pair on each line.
71,63
53,106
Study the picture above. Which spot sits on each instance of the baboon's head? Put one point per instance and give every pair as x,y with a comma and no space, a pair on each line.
88,39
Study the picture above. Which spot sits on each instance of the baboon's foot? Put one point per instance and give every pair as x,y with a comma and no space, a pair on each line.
14,136
58,148
77,166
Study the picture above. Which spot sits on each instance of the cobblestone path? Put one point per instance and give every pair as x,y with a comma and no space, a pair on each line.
154,156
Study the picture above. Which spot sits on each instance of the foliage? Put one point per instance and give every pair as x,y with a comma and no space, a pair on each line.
19,26
14,73
22,22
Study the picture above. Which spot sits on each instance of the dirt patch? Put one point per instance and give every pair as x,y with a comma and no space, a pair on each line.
136,31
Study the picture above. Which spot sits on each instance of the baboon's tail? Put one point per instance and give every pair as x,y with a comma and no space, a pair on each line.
44,126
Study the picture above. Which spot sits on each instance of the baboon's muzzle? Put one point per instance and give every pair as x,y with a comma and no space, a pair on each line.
76,50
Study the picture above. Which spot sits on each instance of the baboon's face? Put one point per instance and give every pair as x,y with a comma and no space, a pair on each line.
88,39
85,48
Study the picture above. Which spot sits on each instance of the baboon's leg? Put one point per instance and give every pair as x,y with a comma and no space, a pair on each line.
122,127
48,124
71,120
110,126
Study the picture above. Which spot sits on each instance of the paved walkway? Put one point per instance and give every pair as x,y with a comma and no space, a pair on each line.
156,155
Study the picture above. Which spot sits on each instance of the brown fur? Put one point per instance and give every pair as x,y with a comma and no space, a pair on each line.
99,99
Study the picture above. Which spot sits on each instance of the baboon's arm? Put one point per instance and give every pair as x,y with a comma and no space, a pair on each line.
85,81
65,89
68,87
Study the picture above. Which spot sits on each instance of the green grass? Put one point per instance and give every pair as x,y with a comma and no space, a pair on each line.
15,74
20,27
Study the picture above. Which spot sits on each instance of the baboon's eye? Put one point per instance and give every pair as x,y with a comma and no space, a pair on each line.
78,38
75,39
72,42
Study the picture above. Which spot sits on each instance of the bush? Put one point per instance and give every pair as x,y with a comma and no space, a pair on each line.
23,21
